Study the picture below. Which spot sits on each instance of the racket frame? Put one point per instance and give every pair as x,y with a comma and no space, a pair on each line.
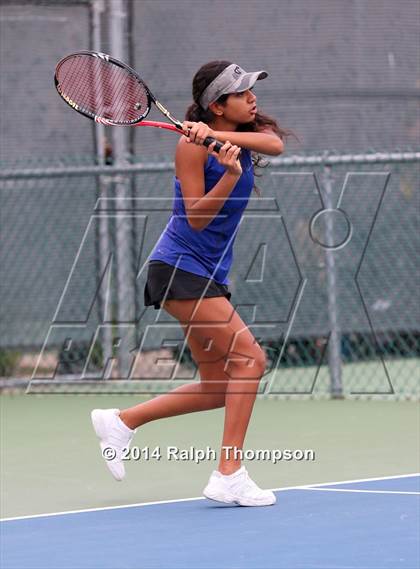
150,98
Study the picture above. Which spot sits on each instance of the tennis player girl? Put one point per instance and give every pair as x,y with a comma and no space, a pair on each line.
188,275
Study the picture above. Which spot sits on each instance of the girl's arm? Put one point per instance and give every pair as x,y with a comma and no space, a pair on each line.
266,142
202,208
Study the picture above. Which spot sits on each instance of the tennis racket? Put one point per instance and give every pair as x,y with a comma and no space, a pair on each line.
109,92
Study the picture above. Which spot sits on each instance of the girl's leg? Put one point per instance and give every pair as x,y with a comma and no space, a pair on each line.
239,402
209,393
184,399
214,322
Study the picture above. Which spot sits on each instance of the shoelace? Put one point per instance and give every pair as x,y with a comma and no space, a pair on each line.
118,441
248,483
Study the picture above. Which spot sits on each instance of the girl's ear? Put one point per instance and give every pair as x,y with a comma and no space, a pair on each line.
216,109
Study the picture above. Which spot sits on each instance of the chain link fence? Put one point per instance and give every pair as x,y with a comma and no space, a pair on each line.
325,266
324,274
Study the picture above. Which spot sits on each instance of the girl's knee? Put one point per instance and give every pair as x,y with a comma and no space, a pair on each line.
242,366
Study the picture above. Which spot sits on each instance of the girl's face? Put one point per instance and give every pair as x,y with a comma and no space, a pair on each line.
240,107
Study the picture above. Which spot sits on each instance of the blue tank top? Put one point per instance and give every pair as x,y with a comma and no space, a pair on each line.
208,253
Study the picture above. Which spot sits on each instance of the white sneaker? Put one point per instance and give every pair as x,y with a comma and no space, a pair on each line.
114,437
237,488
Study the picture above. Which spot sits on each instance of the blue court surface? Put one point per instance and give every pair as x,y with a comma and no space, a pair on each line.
363,524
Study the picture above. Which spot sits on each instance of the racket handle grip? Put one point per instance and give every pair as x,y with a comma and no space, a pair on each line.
217,146
209,140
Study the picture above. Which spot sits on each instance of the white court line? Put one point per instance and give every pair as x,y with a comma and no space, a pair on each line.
362,480
361,491
141,504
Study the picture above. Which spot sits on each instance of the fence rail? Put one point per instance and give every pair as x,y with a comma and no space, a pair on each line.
325,159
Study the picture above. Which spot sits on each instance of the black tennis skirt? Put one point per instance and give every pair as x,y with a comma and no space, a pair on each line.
162,282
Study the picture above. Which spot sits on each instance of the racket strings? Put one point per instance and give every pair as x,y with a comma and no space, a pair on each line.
103,89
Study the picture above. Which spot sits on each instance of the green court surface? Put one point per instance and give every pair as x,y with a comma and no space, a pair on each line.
50,458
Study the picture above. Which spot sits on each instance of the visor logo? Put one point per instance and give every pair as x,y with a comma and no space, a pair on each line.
237,70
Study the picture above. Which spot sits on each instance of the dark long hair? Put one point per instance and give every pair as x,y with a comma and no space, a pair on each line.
195,112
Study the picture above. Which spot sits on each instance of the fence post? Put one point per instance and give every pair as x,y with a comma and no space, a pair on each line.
98,8
123,223
334,345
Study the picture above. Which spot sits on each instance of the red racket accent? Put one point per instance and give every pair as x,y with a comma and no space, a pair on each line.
161,125
102,89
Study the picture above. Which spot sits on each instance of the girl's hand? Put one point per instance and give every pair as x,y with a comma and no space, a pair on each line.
228,157
197,132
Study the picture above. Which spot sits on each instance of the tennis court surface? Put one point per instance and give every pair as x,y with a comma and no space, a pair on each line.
371,523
